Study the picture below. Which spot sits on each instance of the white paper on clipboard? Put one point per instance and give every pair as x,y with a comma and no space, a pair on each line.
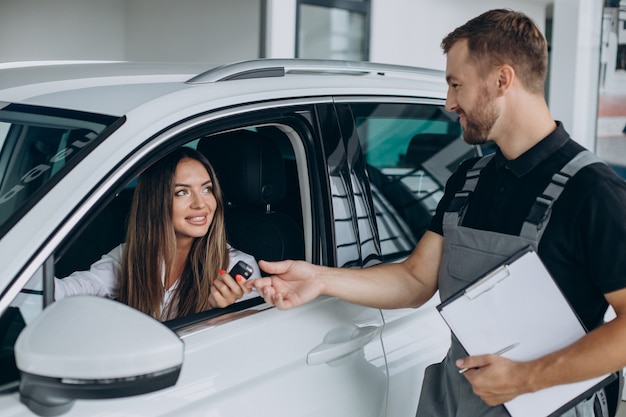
520,303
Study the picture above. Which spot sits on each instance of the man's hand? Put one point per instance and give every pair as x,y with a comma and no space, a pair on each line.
495,379
292,283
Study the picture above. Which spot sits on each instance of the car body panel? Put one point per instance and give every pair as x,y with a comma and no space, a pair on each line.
257,364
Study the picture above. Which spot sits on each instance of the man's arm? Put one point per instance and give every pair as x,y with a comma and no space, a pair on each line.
497,380
407,284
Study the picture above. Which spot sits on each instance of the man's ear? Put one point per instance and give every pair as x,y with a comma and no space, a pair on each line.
505,74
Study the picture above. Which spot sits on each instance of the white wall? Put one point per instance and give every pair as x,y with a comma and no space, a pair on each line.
412,35
193,30
143,30
67,29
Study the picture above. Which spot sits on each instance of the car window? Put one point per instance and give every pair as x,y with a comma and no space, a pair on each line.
35,145
410,150
254,226
256,169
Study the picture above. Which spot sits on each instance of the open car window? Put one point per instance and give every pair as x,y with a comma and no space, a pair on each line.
257,223
104,226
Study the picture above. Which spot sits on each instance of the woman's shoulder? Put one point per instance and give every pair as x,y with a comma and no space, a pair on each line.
232,251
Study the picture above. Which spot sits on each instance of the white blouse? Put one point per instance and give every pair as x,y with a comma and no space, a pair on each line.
101,278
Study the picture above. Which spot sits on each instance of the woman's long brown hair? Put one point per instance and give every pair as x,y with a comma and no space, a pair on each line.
151,245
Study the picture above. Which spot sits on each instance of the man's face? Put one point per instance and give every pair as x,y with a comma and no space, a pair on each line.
469,96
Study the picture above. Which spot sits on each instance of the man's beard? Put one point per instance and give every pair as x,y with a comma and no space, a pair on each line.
479,123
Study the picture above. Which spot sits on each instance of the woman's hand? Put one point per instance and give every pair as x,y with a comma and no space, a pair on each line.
225,289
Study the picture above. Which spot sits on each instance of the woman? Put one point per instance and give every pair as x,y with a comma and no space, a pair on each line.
180,239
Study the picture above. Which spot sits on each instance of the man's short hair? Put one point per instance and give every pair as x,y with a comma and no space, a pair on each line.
503,36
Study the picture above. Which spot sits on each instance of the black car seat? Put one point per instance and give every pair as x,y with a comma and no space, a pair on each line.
104,232
424,145
251,172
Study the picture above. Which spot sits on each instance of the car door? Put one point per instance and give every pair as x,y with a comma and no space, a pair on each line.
410,147
324,358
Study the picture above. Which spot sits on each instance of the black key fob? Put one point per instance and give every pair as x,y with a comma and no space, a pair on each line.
242,269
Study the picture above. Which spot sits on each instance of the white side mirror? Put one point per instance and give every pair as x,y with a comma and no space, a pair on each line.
90,347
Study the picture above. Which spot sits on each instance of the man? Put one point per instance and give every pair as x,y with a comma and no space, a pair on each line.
496,67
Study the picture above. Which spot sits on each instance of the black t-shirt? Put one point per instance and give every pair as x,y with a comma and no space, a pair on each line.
584,244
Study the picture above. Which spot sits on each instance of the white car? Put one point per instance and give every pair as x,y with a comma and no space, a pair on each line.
359,154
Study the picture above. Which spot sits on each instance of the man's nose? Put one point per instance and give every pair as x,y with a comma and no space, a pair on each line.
451,103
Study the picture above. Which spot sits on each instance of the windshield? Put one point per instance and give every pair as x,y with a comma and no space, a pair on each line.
37,147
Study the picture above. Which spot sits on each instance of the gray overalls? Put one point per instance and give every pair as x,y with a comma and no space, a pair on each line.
469,253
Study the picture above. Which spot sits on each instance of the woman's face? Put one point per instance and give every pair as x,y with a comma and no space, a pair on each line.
193,203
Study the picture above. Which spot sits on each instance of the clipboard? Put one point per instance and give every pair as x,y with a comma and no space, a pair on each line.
519,304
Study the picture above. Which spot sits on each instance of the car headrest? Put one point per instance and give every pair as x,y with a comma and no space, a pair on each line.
424,145
248,165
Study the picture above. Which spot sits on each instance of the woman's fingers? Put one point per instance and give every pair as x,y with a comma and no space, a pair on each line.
225,290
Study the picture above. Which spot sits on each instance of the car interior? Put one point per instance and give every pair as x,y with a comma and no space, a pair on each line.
260,186
260,190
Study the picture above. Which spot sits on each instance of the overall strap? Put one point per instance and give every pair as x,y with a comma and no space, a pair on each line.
540,212
456,211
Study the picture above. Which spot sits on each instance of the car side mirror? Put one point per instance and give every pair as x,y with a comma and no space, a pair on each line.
86,347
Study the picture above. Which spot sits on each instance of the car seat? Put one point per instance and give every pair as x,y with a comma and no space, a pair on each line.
251,172
103,232
424,145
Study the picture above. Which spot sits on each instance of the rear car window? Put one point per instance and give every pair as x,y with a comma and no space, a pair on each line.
37,147
411,149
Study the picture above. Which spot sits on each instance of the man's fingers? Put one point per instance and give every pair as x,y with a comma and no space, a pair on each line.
274,268
472,362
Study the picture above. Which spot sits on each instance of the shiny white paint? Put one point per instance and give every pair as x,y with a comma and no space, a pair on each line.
100,342
255,362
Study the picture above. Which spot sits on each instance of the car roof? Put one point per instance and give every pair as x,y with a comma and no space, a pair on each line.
116,88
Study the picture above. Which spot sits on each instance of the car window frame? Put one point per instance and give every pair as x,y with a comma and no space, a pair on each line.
390,100
156,146
112,123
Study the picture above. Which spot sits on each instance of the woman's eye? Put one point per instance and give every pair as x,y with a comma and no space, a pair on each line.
180,193
208,190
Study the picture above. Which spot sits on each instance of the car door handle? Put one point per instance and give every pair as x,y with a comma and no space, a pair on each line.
331,350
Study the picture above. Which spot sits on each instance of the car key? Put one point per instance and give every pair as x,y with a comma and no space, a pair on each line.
242,269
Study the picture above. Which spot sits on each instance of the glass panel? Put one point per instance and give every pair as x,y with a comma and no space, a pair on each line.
35,144
346,240
331,33
410,150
